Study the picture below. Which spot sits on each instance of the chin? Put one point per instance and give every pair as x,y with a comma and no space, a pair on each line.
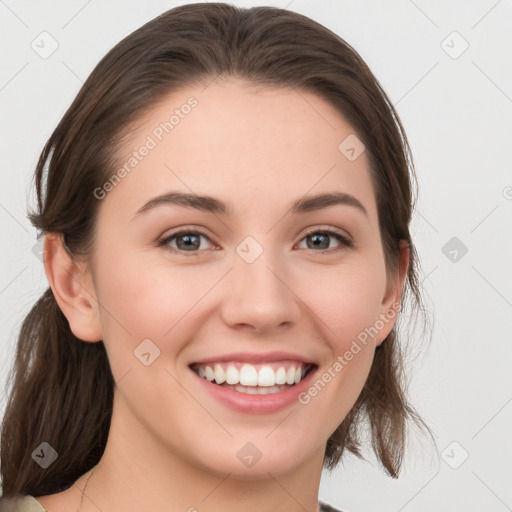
252,457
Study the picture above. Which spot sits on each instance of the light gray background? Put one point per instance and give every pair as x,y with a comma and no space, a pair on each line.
458,115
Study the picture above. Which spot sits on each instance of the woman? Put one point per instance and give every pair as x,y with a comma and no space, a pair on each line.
225,208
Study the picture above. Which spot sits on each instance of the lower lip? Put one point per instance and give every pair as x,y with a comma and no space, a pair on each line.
256,404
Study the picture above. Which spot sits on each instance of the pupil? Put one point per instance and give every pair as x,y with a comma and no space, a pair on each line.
317,237
188,238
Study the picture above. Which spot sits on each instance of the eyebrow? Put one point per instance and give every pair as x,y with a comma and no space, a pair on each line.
210,204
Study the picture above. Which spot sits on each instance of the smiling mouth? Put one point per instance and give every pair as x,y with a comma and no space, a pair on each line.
253,379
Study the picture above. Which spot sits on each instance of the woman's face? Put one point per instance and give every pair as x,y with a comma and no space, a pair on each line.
250,289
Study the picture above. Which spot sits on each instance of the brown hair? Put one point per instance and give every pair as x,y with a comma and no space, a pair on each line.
62,387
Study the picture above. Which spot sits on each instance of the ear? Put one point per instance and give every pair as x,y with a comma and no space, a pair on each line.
73,289
391,301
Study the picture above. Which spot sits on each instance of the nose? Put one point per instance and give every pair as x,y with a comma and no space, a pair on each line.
259,296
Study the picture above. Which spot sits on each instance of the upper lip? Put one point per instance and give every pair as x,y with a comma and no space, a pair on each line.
255,358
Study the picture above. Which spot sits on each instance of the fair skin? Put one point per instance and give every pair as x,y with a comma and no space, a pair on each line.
172,444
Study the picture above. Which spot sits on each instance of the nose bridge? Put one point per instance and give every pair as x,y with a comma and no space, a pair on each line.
259,294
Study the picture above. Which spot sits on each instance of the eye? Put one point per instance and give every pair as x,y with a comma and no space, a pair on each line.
320,239
189,241
186,240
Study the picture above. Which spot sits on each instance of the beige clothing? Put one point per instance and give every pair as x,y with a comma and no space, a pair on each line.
21,504
30,504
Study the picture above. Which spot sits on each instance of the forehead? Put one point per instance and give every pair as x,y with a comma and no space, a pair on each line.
240,142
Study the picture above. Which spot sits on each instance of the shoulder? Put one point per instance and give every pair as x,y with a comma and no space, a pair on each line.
323,508
21,504
30,504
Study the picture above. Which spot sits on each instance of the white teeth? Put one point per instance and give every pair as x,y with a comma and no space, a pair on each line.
281,376
209,373
220,376
248,375
257,390
232,375
290,376
266,376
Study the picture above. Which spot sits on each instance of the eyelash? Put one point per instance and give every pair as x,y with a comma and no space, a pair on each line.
345,241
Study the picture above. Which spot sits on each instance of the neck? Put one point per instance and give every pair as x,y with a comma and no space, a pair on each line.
137,473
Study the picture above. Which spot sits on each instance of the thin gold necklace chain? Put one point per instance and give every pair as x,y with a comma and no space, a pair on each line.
85,487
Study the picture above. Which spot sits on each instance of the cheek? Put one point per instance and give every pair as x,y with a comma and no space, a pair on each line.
346,300
145,296
345,314
144,299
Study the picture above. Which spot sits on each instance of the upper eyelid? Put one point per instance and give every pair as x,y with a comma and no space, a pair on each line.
202,232
337,231
185,230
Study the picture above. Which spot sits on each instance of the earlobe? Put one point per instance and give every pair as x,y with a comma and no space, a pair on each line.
72,288
393,297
